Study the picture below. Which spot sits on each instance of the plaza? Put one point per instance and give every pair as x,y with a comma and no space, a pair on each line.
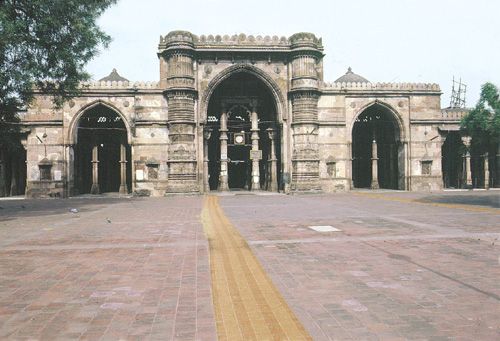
361,265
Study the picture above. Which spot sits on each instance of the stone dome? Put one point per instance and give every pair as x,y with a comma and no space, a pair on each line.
113,77
351,77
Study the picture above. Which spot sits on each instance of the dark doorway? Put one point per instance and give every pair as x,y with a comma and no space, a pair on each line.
12,170
237,95
452,163
101,126
377,123
478,155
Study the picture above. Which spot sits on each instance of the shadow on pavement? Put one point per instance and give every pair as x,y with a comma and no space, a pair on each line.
491,200
12,209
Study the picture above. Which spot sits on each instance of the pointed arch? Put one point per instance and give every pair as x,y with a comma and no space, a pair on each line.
253,70
398,118
73,126
378,134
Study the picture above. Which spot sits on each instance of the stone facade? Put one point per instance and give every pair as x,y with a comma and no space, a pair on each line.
170,132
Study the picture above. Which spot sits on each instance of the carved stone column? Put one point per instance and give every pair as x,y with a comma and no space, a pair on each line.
95,171
468,175
349,165
2,173
486,171
176,52
223,175
207,133
255,149
497,175
374,184
407,166
123,170
306,70
392,160
14,175
273,161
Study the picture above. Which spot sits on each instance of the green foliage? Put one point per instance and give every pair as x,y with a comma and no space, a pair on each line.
45,44
483,122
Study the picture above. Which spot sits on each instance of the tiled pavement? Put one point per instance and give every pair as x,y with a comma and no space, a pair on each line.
247,304
126,269
138,268
396,271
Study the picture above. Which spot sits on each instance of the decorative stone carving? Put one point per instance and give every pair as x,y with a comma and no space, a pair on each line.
208,70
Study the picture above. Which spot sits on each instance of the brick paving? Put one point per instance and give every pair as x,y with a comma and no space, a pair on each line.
118,269
406,266
247,304
398,270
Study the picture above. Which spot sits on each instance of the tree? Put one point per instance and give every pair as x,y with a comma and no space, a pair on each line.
44,44
483,122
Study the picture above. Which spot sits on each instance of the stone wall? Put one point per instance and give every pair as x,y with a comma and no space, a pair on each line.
165,120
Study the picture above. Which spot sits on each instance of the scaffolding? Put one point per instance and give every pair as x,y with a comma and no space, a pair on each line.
458,92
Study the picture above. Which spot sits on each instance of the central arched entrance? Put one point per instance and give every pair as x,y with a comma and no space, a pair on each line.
244,149
378,155
101,152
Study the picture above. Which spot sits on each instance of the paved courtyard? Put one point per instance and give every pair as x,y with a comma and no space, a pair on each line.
414,266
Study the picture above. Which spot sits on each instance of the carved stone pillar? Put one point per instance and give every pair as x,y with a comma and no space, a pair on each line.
207,133
176,52
374,184
255,149
2,173
392,167
123,170
14,175
486,171
306,70
95,171
468,175
273,177
497,175
223,175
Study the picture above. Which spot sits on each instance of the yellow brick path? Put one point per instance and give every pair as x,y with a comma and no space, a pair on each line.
247,304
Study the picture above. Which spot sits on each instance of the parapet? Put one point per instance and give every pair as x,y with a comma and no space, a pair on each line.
367,86
454,114
118,85
241,40
305,39
176,37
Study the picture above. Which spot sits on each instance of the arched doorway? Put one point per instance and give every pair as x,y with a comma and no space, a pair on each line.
378,156
102,152
244,149
452,163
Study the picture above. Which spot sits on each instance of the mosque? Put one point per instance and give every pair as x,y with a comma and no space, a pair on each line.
243,113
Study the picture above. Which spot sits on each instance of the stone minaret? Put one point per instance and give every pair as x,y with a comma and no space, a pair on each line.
176,53
306,74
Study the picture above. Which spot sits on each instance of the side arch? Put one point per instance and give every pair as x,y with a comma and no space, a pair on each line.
73,126
397,116
260,74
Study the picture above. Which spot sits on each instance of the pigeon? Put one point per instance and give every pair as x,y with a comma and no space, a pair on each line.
73,210
108,220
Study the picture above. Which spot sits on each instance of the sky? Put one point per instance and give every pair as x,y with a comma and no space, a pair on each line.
423,41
